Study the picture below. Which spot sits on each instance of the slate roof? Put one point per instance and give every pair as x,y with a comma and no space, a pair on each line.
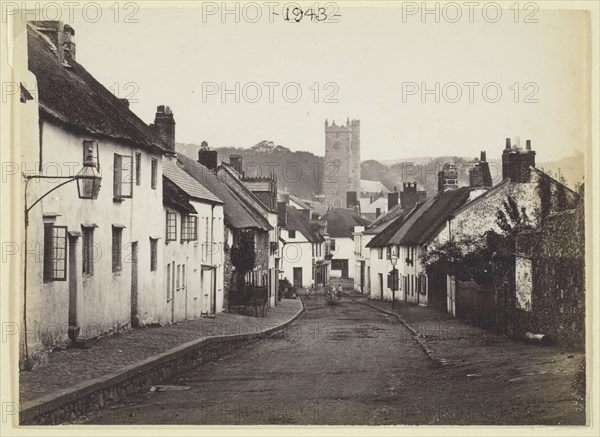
297,222
231,174
422,222
70,96
188,184
175,197
387,230
435,216
372,186
341,222
300,202
238,214
385,219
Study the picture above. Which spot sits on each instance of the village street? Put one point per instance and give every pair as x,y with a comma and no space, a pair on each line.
353,364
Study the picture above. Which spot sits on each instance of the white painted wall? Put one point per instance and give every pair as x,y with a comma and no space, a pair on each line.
344,249
195,295
104,298
296,252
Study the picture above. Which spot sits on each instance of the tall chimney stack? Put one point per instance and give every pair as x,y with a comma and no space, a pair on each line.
69,41
164,123
236,162
207,157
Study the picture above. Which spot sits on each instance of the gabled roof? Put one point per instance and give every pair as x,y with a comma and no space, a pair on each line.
384,220
434,217
70,96
372,186
423,221
301,203
482,196
188,184
233,175
341,222
387,230
238,214
297,222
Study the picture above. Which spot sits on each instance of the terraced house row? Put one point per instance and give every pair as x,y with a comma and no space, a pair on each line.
486,253
121,231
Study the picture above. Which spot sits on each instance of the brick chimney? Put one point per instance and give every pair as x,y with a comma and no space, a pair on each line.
164,124
393,199
207,157
236,162
448,178
408,197
69,41
282,213
516,162
61,35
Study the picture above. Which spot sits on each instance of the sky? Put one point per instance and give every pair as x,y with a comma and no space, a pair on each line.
374,64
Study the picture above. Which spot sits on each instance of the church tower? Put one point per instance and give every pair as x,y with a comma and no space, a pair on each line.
341,172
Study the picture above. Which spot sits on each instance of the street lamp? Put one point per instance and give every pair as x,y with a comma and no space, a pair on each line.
88,185
394,261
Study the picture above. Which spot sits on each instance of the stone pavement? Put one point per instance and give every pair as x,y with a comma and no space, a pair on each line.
67,367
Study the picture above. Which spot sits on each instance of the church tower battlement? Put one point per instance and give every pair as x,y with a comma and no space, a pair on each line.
341,172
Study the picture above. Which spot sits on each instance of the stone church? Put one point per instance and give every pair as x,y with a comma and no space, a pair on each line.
341,172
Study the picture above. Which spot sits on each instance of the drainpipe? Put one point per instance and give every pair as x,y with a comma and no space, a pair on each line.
214,269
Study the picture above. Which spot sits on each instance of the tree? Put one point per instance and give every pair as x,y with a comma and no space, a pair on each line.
243,256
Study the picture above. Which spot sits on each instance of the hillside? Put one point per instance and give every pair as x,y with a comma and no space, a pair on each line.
298,172
301,172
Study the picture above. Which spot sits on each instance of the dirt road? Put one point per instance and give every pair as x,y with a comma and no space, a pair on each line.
345,364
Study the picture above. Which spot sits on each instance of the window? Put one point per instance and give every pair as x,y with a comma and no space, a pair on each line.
117,235
138,168
153,253
55,253
171,226
388,252
380,252
313,249
122,180
410,255
154,173
292,233
88,250
332,242
189,228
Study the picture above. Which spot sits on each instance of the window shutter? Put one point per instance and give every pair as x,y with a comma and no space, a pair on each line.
48,252
117,176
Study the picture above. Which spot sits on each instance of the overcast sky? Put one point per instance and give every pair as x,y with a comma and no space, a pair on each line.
375,62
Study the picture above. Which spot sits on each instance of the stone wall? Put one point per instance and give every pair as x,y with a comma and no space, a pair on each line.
557,255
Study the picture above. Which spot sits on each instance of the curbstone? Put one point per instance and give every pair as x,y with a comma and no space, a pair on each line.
86,396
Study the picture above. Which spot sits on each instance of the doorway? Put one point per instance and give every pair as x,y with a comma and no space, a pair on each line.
73,330
381,284
297,277
135,317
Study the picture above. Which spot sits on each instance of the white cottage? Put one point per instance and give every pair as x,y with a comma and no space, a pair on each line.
89,270
193,254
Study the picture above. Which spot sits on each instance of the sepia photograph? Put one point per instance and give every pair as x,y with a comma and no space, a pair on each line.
344,215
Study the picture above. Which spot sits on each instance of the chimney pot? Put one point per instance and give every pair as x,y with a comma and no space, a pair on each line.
528,144
507,143
483,156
